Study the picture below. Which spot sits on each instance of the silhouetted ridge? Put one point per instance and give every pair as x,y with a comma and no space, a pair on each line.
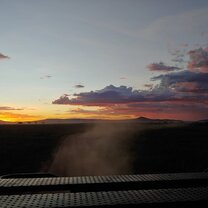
149,120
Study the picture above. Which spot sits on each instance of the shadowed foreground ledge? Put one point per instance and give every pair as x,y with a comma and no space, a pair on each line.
153,190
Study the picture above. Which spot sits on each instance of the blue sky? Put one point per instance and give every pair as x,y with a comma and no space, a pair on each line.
55,45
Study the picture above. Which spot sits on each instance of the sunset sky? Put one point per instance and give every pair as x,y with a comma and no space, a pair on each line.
104,59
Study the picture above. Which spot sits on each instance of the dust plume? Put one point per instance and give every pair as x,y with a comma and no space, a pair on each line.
104,149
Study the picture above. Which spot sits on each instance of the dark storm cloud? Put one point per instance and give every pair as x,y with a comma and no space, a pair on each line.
161,67
177,86
108,95
112,95
184,81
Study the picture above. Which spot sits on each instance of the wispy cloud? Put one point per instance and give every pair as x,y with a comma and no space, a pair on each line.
161,67
7,108
2,56
168,27
198,60
79,86
48,76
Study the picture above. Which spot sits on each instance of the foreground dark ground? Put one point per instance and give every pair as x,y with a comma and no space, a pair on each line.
155,148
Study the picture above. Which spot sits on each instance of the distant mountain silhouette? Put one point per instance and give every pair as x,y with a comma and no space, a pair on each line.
142,120
68,121
139,120
149,120
203,121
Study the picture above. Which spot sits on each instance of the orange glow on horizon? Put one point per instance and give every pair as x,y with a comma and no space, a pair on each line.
94,114
13,117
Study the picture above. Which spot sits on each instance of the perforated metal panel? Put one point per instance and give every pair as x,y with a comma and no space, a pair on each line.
131,190
138,197
100,179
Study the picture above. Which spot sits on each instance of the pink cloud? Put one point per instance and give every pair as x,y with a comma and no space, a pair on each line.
198,60
172,110
161,67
